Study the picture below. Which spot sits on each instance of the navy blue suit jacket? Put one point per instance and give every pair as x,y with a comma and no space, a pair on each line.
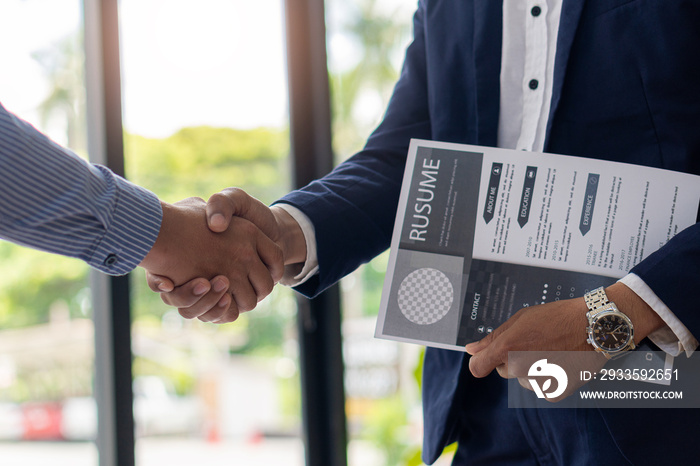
626,88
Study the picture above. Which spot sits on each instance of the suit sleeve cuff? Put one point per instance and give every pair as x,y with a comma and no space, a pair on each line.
675,337
297,274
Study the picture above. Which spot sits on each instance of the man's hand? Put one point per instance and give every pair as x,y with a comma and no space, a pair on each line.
201,297
248,261
554,327
275,222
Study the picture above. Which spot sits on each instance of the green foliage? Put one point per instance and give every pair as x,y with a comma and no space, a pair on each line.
386,427
372,282
381,38
33,281
182,376
204,160
265,327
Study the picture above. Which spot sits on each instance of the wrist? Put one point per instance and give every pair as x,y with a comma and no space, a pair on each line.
158,252
291,238
643,317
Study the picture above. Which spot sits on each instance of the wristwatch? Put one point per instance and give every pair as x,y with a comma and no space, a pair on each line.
609,330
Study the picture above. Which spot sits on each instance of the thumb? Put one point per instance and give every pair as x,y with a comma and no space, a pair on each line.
477,346
221,207
158,283
482,363
486,354
236,202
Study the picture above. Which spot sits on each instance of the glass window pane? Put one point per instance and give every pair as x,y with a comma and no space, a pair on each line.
366,44
47,409
205,108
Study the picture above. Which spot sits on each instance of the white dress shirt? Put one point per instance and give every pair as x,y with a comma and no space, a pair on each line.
530,30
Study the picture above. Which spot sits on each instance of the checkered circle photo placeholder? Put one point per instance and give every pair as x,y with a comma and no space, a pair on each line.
425,296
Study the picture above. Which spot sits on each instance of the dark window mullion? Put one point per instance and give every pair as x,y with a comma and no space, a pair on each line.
110,295
319,320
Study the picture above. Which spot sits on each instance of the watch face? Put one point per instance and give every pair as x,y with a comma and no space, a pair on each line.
611,332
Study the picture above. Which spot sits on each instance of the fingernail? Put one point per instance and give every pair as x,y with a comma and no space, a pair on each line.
224,302
200,289
217,220
164,288
219,285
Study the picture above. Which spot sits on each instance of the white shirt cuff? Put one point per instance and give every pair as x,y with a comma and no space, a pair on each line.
675,338
297,274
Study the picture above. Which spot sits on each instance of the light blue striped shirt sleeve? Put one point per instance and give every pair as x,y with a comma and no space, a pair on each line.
52,200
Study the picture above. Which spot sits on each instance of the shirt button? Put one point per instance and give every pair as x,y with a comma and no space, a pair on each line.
533,84
536,11
111,260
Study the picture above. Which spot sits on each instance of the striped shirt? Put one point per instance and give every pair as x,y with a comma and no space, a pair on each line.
52,200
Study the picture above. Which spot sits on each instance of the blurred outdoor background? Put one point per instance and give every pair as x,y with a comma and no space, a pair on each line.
205,108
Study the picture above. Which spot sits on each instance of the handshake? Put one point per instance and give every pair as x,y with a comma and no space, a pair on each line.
217,259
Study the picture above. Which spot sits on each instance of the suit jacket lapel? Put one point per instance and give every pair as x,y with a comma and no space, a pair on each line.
488,35
570,18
